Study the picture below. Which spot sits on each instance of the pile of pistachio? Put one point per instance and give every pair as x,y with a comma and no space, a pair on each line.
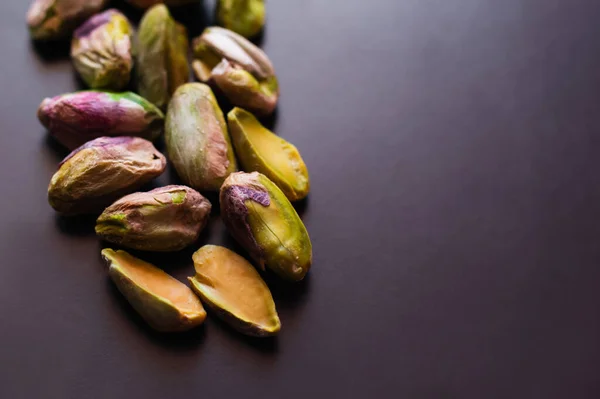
111,132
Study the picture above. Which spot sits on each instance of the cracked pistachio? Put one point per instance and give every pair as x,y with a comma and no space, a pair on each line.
162,64
101,171
101,50
165,219
245,17
238,68
259,150
260,217
76,118
231,287
165,303
196,138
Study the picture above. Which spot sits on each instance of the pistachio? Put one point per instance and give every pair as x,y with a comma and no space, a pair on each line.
265,223
150,3
76,118
101,50
233,289
162,56
165,303
165,219
246,17
238,68
196,138
258,149
57,19
101,171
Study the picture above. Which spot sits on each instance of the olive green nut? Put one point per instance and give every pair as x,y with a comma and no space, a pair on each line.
260,217
259,150
162,64
196,138
245,17
101,50
232,288
165,303
238,68
101,171
165,219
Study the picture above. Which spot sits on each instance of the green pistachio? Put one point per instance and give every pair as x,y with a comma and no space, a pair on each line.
264,222
238,68
233,289
165,219
246,17
101,50
196,138
258,149
162,63
165,303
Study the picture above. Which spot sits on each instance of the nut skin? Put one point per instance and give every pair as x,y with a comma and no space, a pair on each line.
238,68
101,50
196,138
264,222
101,171
150,3
226,283
258,149
245,17
165,219
162,64
161,312
76,118
57,19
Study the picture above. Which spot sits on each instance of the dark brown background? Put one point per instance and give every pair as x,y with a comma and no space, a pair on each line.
453,151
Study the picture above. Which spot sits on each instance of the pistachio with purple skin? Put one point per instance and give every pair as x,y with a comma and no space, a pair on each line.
238,68
76,118
260,217
162,64
196,138
165,219
101,171
102,52
246,17
150,3
57,19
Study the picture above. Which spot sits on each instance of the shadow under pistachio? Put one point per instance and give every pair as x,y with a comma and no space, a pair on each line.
262,344
301,206
260,37
192,16
270,121
173,341
134,14
82,225
58,149
52,51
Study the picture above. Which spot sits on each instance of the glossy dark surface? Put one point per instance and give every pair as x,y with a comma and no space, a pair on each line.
454,151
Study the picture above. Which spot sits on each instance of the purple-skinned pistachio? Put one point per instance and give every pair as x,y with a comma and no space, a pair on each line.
165,219
260,217
76,118
101,171
101,50
245,17
242,71
57,19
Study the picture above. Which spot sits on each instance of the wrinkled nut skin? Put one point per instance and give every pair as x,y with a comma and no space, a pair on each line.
101,50
211,259
162,64
75,118
101,171
196,137
238,68
57,19
264,222
165,219
161,314
245,17
150,3
286,168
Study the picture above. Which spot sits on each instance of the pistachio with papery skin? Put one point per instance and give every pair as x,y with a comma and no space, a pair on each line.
238,68
196,138
162,64
57,19
76,118
264,222
101,50
101,171
165,219
245,17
